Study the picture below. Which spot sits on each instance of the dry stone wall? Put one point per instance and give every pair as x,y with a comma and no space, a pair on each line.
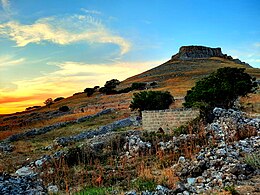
168,120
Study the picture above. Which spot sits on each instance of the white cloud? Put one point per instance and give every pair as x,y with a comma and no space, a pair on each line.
6,6
62,31
91,11
6,61
75,76
71,77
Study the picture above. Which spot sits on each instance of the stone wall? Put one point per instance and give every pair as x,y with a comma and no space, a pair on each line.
167,119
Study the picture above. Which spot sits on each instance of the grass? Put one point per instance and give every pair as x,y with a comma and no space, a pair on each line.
32,147
95,191
253,160
232,190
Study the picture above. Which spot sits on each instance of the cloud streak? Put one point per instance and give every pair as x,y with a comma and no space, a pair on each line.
91,11
58,31
7,61
71,77
6,6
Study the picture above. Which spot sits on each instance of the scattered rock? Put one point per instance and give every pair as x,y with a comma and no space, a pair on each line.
21,185
53,189
25,171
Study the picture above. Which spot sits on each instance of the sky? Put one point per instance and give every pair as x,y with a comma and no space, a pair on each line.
54,48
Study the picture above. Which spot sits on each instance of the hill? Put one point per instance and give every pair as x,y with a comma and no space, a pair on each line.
100,143
190,64
177,75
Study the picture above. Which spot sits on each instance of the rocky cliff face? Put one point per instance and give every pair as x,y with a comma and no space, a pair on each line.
200,52
195,52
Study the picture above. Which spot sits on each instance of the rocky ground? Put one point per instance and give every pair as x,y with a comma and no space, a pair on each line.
225,161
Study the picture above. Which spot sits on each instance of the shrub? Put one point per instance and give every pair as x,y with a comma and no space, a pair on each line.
138,86
125,90
89,91
144,184
180,130
151,100
32,108
96,87
220,89
153,84
58,99
231,189
109,87
95,191
48,102
253,160
111,84
64,109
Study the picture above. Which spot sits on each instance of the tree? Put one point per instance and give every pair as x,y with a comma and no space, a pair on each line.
220,89
48,102
89,91
112,83
109,87
151,100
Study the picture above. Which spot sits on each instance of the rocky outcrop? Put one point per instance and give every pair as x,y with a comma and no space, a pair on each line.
43,130
202,52
195,52
21,185
126,122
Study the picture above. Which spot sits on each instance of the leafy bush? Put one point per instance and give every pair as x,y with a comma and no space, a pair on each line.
111,84
138,86
253,160
95,191
231,189
89,91
32,108
48,102
142,184
96,87
109,87
220,89
181,130
151,100
153,84
58,99
64,109
125,90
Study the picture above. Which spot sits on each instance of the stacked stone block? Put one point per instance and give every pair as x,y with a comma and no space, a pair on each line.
168,120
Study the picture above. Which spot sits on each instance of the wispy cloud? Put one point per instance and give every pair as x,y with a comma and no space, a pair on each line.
257,44
6,61
7,12
87,11
72,77
6,6
59,31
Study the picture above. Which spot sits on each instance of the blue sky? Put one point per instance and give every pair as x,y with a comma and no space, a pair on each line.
51,48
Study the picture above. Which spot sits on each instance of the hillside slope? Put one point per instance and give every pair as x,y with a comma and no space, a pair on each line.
179,74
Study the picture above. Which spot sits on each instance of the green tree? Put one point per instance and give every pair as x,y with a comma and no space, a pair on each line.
220,89
151,100
89,91
109,87
48,102
112,83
